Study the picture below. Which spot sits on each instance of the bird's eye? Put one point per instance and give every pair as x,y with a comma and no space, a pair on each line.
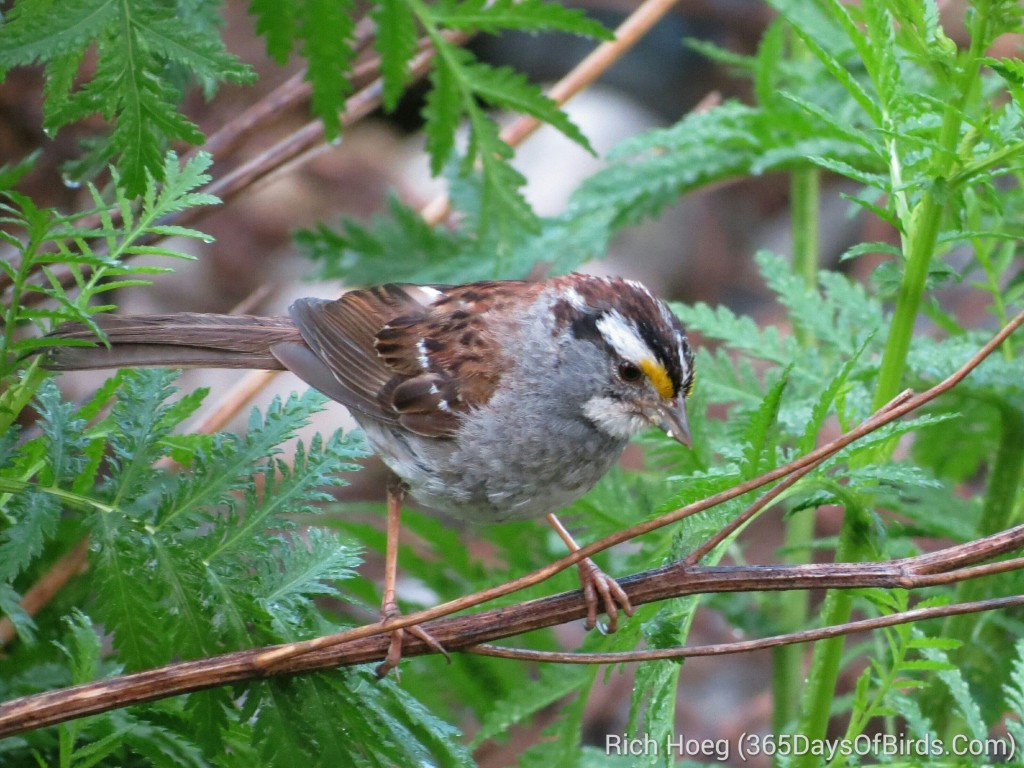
629,372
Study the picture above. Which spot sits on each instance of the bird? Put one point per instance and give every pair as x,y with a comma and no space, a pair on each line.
490,401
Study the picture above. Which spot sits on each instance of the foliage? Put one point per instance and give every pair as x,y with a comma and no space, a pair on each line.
145,54
94,246
142,50
231,549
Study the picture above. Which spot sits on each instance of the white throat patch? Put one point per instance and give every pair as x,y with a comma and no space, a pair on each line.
614,417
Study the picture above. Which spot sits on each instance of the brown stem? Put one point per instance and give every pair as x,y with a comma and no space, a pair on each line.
745,646
469,631
40,593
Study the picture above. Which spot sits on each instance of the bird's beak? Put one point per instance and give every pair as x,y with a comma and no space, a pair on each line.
672,420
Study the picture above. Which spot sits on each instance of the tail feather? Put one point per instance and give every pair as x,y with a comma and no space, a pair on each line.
184,339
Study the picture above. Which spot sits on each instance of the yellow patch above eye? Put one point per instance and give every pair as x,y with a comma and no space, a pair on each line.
659,377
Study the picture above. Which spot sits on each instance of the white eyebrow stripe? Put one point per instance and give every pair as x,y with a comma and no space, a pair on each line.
623,337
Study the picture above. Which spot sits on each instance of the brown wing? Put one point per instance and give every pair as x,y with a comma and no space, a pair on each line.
415,356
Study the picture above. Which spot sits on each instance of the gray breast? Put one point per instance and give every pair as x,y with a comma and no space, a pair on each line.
529,451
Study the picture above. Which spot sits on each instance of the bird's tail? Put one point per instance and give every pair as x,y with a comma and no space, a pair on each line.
180,340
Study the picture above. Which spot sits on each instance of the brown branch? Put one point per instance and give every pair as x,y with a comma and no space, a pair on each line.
470,631
746,646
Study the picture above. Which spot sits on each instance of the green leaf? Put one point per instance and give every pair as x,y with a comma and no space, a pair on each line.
32,32
84,648
205,56
958,687
653,706
760,448
138,45
502,200
302,570
32,522
506,88
11,609
279,23
821,46
12,173
825,401
442,111
553,684
396,43
1014,691
327,44
532,15
399,247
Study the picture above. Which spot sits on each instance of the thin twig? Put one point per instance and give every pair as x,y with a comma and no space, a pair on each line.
469,631
40,593
745,646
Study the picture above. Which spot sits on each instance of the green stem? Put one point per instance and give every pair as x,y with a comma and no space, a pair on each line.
804,198
1005,480
787,661
922,230
787,667
816,705
10,485
919,246
12,311
920,235
991,160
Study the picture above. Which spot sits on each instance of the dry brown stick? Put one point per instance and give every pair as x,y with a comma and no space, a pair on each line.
468,631
745,646
627,34
289,93
904,404
40,593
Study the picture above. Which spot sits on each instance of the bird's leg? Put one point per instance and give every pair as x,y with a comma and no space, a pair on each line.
389,605
596,582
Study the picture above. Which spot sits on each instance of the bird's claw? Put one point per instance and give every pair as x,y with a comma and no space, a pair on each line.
599,587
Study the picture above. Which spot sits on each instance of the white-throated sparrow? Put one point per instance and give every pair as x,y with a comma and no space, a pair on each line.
492,401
